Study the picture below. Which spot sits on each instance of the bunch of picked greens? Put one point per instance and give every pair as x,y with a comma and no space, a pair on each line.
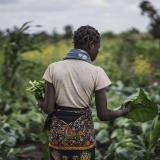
143,109
36,88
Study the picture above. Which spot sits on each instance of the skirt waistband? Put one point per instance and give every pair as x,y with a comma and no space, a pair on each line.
66,113
70,109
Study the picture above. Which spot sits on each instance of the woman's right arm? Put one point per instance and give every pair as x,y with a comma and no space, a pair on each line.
48,104
103,113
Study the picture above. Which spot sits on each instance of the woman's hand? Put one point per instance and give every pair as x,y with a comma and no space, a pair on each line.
127,108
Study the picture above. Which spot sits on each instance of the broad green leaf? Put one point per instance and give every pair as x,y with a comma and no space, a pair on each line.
154,134
100,125
102,136
143,108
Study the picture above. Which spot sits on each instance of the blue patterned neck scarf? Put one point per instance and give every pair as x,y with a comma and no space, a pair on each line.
78,54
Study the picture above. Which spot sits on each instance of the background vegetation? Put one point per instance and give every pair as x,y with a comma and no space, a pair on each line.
131,60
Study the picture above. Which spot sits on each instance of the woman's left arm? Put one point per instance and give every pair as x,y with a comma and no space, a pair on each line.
48,104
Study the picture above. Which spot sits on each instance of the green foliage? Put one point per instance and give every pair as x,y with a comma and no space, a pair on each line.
143,109
102,136
125,145
17,42
154,27
17,129
142,69
56,37
36,88
68,31
108,35
127,61
127,139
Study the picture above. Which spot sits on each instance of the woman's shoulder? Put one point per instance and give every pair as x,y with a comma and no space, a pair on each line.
56,63
96,68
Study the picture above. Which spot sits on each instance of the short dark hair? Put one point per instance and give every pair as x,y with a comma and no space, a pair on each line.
84,35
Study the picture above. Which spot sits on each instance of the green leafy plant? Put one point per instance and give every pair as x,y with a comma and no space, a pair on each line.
143,109
36,88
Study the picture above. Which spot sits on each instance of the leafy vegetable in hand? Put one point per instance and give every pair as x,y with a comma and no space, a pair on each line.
36,88
143,109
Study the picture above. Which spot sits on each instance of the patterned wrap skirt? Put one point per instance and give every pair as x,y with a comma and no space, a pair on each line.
71,134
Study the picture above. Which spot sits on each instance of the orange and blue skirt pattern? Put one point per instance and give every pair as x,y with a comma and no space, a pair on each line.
71,134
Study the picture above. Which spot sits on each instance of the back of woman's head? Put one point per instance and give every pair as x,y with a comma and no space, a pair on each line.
85,35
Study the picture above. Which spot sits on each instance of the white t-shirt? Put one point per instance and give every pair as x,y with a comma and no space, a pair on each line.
75,81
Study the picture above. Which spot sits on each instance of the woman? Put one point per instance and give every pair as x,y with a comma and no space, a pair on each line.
69,87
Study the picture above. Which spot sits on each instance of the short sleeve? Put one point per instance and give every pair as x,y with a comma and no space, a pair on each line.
102,80
48,74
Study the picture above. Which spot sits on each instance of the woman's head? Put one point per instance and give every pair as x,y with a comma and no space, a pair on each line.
88,39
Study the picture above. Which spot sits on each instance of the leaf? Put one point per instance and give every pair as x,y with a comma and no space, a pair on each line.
36,88
25,26
102,136
154,134
143,109
11,141
100,125
28,149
